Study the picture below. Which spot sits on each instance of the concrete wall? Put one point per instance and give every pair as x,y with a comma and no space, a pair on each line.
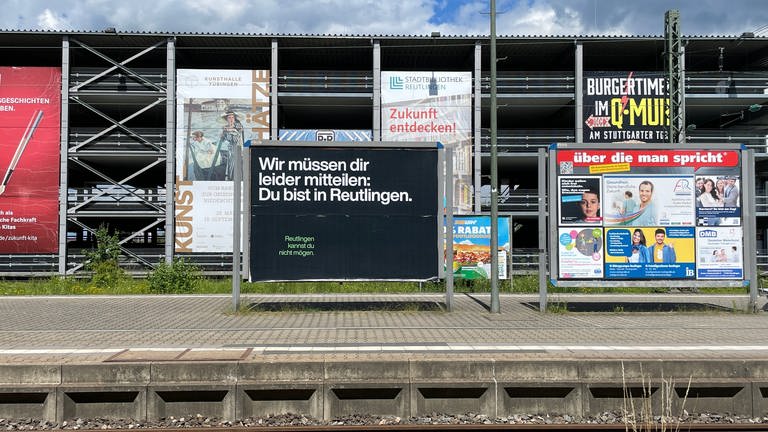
328,389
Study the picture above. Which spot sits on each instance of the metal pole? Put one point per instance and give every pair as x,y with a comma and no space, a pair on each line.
543,227
449,228
236,202
170,149
494,174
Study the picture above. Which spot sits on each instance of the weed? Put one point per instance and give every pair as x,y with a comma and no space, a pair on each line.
643,418
177,277
557,307
103,260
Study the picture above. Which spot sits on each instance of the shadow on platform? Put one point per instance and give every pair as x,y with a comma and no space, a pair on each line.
347,306
617,307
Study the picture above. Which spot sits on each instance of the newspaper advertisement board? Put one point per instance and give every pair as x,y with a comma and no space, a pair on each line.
649,214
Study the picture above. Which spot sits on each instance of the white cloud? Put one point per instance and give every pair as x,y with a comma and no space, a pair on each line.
49,20
515,17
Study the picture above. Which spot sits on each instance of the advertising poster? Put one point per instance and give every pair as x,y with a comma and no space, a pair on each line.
472,247
625,106
718,201
324,135
649,200
216,110
720,253
433,106
656,207
581,253
344,213
579,201
650,253
30,112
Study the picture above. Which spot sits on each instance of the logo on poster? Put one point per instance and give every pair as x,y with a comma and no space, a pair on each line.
682,186
395,83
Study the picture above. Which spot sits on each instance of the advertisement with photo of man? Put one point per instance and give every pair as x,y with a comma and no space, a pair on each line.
718,200
649,200
650,253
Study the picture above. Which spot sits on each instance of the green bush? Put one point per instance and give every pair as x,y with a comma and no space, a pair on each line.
102,260
174,278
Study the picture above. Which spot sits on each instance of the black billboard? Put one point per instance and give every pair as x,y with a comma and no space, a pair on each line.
342,213
626,106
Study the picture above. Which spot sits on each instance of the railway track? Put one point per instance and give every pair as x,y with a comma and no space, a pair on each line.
683,427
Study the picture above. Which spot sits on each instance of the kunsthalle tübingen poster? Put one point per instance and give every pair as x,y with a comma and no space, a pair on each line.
433,106
625,106
649,214
216,110
30,112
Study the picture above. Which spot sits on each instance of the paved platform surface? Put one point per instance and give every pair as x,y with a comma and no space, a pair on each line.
203,328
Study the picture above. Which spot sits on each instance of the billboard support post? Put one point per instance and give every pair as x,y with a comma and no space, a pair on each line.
543,229
748,208
449,228
236,211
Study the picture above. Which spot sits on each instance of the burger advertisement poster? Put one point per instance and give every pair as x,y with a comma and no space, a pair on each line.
625,106
652,213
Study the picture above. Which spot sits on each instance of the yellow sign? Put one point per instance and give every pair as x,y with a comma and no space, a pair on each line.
609,168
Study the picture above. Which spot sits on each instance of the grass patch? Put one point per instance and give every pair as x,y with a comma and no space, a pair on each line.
526,284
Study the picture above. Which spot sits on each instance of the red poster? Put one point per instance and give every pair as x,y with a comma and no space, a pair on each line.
30,106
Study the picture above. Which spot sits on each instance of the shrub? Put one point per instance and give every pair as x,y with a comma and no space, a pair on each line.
175,278
102,260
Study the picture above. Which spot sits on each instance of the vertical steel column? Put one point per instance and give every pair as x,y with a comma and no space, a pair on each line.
544,226
578,88
376,91
494,174
64,155
476,130
673,66
748,210
170,149
449,227
237,202
273,91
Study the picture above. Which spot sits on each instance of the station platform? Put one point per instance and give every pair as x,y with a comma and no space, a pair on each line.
323,355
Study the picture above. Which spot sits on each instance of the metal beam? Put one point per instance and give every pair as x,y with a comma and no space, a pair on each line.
170,147
117,124
63,149
673,67
120,66
376,91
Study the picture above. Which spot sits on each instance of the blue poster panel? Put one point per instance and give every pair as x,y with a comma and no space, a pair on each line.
650,253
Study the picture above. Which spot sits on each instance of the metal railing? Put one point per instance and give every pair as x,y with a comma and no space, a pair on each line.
524,140
117,80
325,81
731,83
527,83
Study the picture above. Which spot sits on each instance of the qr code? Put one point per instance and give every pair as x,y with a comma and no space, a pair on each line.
566,167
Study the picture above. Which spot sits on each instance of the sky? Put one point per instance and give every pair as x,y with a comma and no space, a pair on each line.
389,17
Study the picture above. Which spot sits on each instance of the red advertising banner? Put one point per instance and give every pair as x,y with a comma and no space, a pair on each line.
600,161
30,107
